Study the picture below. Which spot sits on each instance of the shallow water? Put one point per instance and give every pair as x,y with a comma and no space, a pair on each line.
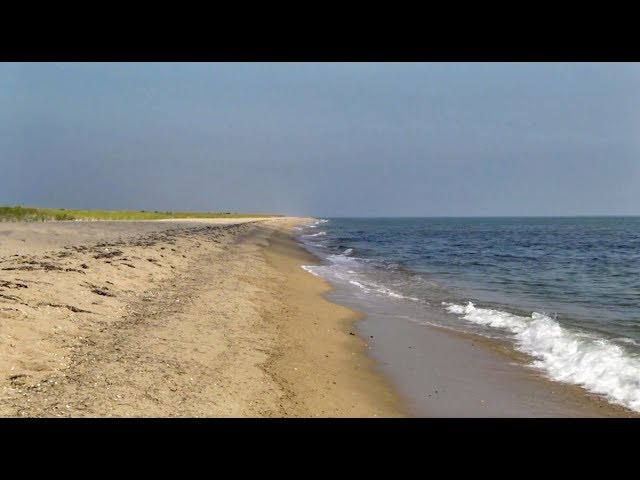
566,291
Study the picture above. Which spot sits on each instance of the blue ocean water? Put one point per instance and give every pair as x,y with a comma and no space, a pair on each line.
566,291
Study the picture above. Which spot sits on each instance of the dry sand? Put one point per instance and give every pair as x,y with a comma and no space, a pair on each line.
211,318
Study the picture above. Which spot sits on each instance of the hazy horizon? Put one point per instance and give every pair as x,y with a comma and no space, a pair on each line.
324,139
486,216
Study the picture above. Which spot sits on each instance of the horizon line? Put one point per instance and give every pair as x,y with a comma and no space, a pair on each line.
483,216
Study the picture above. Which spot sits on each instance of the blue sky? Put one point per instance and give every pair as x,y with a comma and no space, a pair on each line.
323,139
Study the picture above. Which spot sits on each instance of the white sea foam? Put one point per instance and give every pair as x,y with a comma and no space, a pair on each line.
316,223
368,287
319,234
358,284
341,259
342,270
310,269
391,293
596,364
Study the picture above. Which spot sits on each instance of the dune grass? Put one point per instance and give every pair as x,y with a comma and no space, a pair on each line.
29,214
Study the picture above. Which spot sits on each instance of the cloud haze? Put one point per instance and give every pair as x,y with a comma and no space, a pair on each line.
323,139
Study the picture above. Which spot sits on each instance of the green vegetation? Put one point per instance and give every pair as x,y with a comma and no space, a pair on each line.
28,214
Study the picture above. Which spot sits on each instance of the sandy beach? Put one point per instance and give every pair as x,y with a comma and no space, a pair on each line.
216,318
267,239
208,318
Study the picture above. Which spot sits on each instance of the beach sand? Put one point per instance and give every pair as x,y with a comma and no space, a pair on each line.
208,318
216,318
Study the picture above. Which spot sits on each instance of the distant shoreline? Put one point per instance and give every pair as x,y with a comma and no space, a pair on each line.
33,214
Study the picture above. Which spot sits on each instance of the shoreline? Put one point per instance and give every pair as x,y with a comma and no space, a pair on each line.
218,319
499,383
184,319
326,343
569,393
442,372
446,372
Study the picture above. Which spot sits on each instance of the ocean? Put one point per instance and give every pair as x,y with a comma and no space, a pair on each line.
564,291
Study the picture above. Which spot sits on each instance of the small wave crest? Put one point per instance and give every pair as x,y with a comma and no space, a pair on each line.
349,270
596,364
310,269
628,341
342,259
391,293
358,284
370,287
317,222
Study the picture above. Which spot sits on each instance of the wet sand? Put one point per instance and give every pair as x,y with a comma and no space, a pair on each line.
175,319
446,374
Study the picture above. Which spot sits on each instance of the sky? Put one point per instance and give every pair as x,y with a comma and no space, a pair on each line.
323,139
